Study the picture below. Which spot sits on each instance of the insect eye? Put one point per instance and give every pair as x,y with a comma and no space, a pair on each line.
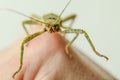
51,18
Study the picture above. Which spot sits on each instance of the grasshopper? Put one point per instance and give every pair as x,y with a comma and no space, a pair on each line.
52,23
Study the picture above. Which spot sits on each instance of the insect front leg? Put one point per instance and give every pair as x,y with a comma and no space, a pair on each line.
27,39
28,22
71,17
80,31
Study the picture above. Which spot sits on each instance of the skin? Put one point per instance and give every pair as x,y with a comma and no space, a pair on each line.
44,59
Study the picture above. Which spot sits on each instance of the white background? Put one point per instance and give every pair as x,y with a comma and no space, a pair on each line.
100,18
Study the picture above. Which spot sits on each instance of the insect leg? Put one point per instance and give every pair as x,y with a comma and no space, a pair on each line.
93,47
69,44
29,22
27,39
80,31
71,17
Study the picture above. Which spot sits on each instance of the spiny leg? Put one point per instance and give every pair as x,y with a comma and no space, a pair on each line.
29,22
71,17
80,31
27,39
93,47
21,60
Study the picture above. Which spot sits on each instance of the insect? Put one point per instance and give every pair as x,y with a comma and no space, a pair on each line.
52,23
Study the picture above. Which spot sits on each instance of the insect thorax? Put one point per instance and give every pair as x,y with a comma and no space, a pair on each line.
54,22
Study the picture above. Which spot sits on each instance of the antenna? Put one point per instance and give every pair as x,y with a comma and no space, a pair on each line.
63,11
65,8
11,10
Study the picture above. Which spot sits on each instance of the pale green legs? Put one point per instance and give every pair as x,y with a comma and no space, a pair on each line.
80,31
27,39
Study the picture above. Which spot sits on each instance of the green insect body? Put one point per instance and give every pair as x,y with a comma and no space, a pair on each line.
52,23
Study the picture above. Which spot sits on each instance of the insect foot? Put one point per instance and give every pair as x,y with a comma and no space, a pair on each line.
67,51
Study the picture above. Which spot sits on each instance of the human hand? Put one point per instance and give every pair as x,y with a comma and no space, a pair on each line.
44,59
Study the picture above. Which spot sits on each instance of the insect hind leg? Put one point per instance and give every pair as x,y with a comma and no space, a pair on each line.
93,47
80,31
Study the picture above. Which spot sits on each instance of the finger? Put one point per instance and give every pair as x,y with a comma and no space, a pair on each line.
41,48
